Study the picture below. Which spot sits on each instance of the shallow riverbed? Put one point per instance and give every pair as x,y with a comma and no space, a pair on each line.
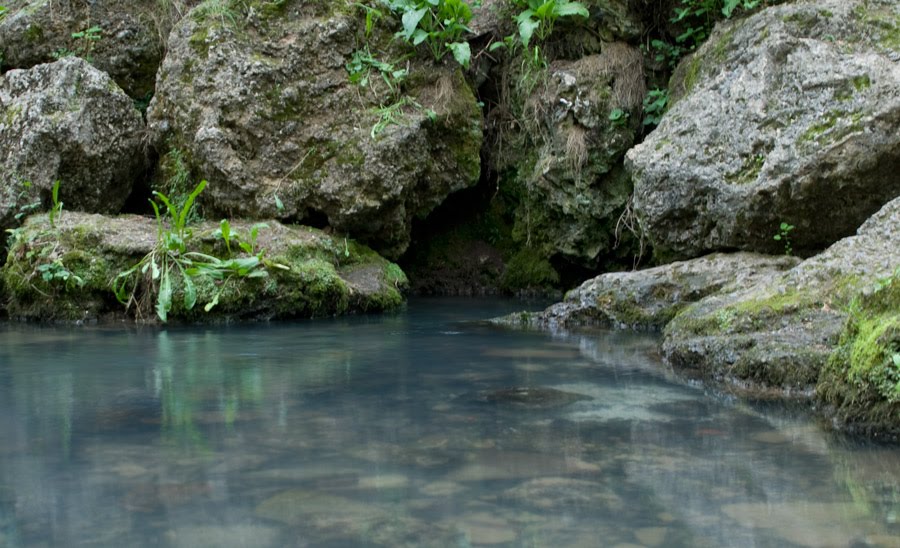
401,430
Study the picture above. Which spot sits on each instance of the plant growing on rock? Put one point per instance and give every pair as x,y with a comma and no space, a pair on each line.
440,24
159,269
784,232
655,106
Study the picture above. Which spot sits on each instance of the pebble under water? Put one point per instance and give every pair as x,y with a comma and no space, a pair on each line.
421,428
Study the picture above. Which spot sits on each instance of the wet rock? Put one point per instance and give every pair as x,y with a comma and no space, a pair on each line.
558,494
799,124
314,147
529,397
648,299
497,465
128,43
66,121
486,529
777,336
312,280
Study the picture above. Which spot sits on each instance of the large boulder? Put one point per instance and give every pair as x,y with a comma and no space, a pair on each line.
68,122
65,270
790,115
777,336
260,103
559,141
128,43
649,299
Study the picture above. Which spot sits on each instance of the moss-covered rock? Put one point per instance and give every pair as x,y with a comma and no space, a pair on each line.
66,271
861,382
261,104
777,337
649,299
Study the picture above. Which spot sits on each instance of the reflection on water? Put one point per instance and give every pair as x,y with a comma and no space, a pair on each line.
403,431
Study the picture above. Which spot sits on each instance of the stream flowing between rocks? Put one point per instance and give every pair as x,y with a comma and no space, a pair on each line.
421,428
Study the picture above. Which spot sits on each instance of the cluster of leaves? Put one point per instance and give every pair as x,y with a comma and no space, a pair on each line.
698,18
84,41
440,24
536,20
170,258
363,65
655,106
50,267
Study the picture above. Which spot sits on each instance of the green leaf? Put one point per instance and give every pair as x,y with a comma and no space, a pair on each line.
278,203
209,306
190,292
189,203
896,359
568,9
461,52
527,26
164,298
410,22
419,36
729,7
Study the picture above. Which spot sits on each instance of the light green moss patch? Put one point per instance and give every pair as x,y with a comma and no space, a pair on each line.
862,379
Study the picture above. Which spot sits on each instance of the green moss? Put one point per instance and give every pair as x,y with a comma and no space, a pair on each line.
34,33
862,378
835,126
529,269
749,170
862,82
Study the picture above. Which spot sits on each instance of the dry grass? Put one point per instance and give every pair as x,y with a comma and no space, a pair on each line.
625,65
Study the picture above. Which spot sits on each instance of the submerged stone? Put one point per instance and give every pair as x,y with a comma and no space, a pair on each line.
530,397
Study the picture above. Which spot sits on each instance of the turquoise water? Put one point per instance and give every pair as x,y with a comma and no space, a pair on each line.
402,431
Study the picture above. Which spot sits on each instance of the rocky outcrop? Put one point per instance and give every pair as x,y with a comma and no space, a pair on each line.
262,106
65,270
777,336
790,115
124,38
66,121
562,152
649,299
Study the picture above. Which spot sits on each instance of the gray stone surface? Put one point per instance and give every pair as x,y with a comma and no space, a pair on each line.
791,115
66,121
130,44
648,299
775,337
263,108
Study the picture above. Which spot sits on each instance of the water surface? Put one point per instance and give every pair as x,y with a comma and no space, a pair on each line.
388,431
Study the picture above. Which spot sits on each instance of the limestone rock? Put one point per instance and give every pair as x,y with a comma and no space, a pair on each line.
66,121
264,109
128,45
790,115
309,274
777,336
648,299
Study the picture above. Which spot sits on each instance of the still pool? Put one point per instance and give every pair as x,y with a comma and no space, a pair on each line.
408,430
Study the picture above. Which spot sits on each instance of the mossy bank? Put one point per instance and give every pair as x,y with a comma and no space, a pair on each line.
65,270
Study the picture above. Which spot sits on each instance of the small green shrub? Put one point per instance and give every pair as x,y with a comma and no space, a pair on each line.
784,231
